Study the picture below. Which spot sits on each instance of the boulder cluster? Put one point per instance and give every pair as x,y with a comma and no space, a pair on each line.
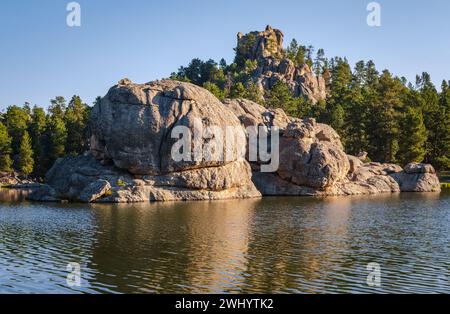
14,179
131,145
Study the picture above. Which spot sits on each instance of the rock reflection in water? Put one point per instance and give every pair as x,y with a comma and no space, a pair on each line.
13,195
187,247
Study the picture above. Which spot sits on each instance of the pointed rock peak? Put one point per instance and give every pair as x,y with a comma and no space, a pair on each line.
256,45
125,81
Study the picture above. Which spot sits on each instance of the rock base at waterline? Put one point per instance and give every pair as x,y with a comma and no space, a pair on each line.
85,179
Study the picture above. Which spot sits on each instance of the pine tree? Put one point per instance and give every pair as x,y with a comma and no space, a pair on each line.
340,96
292,50
337,119
300,56
36,129
319,62
442,159
76,121
57,107
17,120
430,108
215,90
5,149
413,136
25,161
281,97
356,112
55,138
237,90
309,56
384,113
253,93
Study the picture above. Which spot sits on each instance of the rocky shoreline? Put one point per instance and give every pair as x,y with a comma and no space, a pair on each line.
130,157
13,180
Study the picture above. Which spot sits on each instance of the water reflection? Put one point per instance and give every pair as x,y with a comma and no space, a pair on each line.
199,247
281,245
11,195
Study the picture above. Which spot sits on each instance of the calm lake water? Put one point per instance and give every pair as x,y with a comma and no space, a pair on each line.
273,245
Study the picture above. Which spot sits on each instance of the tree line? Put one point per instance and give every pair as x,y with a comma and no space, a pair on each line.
31,138
391,119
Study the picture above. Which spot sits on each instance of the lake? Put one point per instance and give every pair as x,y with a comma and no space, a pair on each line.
270,245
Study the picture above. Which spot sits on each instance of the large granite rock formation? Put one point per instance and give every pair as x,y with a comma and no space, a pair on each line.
131,153
313,162
266,48
132,125
130,158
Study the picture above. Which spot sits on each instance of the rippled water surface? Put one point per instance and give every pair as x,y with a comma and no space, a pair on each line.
279,245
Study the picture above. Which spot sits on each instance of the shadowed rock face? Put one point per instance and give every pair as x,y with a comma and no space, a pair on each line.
266,48
130,158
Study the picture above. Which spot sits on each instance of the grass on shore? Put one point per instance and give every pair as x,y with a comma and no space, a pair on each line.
444,177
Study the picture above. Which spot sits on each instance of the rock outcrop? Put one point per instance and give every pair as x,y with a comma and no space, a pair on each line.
417,178
313,162
131,149
131,156
14,179
266,48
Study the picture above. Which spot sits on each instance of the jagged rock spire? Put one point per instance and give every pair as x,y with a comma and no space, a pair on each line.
266,48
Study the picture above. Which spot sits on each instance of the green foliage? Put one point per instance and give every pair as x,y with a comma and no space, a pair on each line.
440,156
55,137
200,72
5,149
215,90
76,121
320,62
386,117
121,183
337,118
34,138
37,129
243,51
26,161
57,107
413,136
252,92
297,54
17,120
238,90
279,96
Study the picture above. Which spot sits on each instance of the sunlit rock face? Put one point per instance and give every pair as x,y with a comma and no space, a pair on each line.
418,178
266,48
313,162
132,126
131,157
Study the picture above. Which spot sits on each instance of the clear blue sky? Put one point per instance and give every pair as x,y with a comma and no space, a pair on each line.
41,57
